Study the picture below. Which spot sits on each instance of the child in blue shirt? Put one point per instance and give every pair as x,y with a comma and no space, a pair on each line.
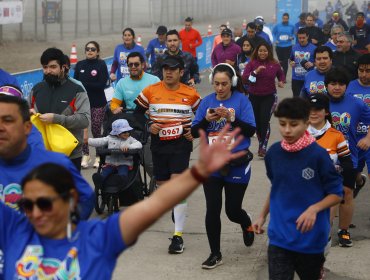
299,201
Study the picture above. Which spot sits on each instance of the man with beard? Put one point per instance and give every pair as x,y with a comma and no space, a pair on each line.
191,70
61,101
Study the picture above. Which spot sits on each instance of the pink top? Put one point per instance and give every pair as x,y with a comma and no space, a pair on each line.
265,80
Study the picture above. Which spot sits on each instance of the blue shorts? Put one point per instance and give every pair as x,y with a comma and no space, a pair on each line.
237,174
363,157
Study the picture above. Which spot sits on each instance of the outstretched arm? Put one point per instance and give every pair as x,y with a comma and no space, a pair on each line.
137,218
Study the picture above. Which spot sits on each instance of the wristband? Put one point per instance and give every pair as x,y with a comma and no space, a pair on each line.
197,176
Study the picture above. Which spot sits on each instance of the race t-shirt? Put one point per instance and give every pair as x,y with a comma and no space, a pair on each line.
120,55
298,54
362,92
91,253
154,49
314,83
346,115
173,110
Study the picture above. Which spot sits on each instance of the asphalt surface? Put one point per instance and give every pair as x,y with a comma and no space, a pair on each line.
149,258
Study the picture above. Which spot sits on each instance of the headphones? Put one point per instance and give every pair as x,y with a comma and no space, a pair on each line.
234,79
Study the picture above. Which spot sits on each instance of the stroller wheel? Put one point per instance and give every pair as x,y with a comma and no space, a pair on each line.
99,201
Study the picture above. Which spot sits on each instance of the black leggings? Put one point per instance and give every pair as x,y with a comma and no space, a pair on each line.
283,54
263,107
234,194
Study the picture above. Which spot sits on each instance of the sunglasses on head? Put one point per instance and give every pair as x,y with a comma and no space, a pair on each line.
45,204
136,64
92,49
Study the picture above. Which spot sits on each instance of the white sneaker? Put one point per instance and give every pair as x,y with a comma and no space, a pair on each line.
85,161
97,162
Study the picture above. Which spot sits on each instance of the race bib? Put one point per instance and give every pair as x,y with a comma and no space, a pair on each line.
171,132
212,138
300,71
283,37
124,70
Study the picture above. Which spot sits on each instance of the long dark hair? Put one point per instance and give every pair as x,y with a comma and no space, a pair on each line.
222,68
270,56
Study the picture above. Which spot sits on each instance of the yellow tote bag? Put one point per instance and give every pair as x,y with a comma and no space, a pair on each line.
56,137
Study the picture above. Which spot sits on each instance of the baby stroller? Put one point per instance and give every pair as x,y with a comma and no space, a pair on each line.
114,191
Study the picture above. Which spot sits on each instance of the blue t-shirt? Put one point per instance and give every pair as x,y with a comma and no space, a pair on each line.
283,34
238,104
346,115
313,83
128,89
265,36
7,79
362,92
120,55
34,139
91,254
331,45
155,48
298,54
13,171
299,180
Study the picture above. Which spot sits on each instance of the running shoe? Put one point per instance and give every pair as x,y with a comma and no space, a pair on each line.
212,261
248,233
176,246
344,238
358,187
85,161
97,162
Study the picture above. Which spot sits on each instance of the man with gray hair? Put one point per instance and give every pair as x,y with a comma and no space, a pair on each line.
335,31
346,57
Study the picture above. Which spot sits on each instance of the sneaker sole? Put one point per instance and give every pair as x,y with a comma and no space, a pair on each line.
345,245
173,252
213,266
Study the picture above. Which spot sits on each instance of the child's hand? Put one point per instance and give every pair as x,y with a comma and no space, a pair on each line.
257,225
306,220
124,149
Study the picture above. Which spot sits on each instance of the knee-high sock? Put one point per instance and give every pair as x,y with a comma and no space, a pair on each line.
180,216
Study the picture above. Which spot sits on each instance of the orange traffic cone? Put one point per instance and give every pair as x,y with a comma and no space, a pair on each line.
138,41
209,32
73,56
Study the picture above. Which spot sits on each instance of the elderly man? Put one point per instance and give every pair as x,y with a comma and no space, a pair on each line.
334,32
346,57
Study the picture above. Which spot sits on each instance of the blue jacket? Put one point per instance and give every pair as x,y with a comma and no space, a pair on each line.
283,35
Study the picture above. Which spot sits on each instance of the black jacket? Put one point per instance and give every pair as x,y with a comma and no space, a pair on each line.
347,61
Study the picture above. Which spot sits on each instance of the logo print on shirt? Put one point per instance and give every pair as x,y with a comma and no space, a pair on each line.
308,173
32,265
94,73
342,121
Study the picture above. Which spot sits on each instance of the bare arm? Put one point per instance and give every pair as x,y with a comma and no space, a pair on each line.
257,225
137,218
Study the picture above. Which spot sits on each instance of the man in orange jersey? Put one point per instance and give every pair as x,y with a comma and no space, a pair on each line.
170,105
190,38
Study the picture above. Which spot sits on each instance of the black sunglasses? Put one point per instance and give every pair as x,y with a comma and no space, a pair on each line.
92,49
136,64
45,204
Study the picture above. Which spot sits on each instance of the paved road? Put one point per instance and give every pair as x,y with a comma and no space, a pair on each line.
149,259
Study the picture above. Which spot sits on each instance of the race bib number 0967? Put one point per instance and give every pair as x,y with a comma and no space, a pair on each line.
171,132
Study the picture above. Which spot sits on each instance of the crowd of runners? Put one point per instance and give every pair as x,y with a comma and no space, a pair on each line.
46,203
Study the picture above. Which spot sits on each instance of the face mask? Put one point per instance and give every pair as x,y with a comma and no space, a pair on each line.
359,22
51,79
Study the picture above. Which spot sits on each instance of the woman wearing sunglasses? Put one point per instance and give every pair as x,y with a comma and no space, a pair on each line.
93,74
46,243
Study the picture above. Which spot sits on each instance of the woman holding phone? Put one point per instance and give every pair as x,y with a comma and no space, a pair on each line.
228,105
